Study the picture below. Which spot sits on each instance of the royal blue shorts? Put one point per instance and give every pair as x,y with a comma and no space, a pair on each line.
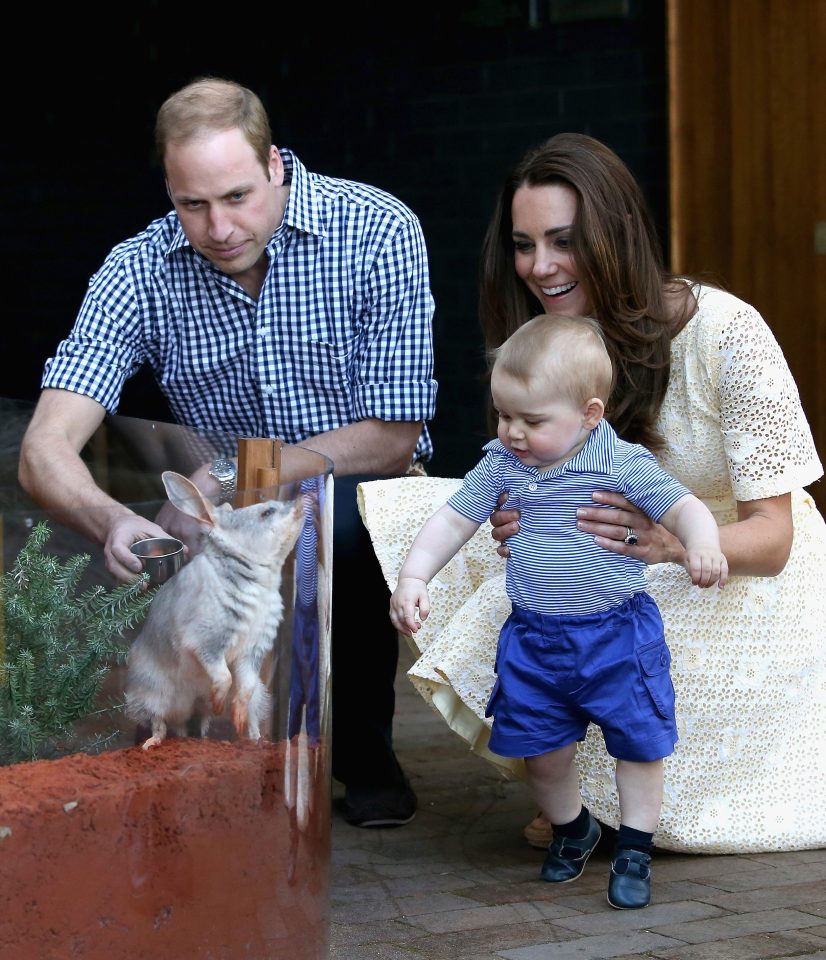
555,675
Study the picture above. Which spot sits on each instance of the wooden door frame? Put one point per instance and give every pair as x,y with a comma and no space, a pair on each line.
747,165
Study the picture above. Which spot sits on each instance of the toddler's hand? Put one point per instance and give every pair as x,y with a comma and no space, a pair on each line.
706,565
410,595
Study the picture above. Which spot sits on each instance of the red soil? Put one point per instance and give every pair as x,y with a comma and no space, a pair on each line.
194,850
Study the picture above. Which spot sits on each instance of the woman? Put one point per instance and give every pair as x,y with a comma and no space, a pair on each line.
702,382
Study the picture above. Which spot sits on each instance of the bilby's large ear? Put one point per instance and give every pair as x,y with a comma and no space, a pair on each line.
183,493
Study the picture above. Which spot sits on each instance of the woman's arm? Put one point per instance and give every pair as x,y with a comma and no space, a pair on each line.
757,544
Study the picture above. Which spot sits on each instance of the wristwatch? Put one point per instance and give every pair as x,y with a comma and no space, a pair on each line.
226,473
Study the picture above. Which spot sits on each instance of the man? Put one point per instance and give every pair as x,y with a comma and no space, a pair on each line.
272,302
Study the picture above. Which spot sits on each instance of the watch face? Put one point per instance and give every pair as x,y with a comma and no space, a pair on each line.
223,470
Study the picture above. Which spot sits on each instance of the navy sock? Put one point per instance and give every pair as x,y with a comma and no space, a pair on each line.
630,839
576,829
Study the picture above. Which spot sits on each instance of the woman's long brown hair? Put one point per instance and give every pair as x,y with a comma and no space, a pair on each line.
619,263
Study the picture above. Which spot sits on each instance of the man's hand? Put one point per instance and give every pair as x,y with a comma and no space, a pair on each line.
187,529
127,529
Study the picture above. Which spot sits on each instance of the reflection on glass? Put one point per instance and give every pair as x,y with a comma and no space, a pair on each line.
214,841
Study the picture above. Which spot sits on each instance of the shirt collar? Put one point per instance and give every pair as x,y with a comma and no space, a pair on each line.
597,456
303,210
179,240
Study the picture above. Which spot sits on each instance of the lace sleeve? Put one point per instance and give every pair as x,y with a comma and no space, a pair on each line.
767,438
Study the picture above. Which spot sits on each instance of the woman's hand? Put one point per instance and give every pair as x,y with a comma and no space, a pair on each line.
613,523
609,525
505,524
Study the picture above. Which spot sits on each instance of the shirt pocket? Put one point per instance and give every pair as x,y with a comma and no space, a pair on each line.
319,368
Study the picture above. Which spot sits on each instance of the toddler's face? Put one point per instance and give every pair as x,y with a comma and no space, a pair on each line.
541,430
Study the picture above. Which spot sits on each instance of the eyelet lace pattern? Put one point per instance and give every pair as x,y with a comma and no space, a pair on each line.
749,662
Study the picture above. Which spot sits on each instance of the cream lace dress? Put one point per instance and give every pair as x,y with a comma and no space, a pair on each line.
749,662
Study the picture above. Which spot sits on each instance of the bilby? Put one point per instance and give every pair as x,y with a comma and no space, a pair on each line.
209,627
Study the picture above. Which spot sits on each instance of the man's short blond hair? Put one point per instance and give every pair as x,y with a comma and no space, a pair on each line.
209,105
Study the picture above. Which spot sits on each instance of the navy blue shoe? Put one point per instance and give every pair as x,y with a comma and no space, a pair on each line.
567,857
630,885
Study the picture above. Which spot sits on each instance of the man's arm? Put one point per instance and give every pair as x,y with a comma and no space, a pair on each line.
392,387
382,447
370,446
52,472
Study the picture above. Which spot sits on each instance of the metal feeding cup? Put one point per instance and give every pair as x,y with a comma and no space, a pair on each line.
161,557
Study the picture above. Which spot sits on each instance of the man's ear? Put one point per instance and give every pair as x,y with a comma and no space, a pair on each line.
593,412
275,169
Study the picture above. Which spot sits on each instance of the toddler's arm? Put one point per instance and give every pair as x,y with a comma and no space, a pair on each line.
693,523
440,539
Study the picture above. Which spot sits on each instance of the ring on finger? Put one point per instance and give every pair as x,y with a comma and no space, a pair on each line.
630,537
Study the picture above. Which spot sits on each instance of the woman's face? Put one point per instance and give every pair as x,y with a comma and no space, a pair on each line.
543,218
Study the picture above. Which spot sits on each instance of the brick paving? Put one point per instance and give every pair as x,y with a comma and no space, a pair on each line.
460,883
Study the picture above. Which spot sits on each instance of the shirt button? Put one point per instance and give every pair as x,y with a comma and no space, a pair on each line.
531,487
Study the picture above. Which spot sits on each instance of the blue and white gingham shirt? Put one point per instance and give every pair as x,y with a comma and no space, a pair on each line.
340,332
553,568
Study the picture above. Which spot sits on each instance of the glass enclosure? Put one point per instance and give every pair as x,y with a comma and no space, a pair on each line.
165,750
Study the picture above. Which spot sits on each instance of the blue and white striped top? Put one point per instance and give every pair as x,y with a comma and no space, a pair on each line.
554,568
341,330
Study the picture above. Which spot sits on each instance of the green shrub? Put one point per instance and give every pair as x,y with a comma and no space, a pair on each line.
56,649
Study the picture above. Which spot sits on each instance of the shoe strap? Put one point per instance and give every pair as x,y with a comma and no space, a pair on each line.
573,848
636,858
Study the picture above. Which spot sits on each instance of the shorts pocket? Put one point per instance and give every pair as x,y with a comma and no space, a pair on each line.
655,661
489,709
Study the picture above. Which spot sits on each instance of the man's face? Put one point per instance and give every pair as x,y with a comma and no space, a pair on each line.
228,207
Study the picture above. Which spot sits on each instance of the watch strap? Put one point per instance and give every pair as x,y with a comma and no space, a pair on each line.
225,472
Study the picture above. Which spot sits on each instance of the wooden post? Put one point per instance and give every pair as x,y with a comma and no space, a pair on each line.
259,466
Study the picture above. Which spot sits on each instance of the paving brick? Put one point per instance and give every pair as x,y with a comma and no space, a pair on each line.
650,917
592,948
764,946
460,882
738,925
